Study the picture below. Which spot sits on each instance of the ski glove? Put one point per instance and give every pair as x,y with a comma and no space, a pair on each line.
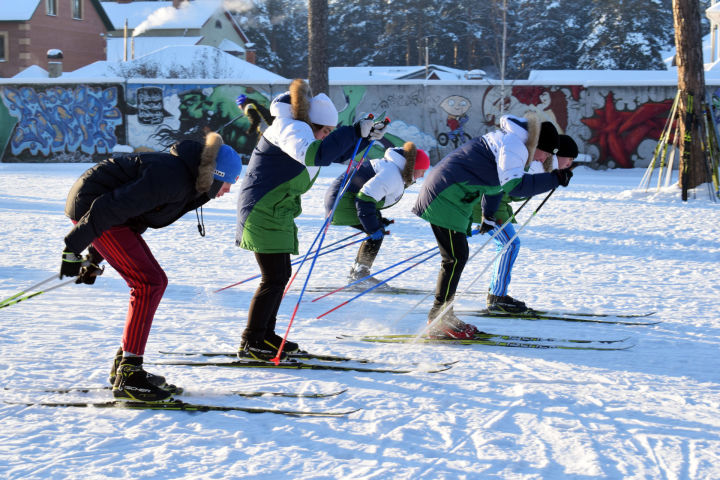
488,223
377,131
71,263
386,221
370,129
377,235
563,175
91,268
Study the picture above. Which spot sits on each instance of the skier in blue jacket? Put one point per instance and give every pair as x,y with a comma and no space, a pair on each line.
283,166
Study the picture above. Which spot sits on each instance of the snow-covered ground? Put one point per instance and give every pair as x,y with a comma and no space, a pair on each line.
650,412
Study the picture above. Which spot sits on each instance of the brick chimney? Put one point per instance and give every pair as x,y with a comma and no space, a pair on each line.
55,58
250,53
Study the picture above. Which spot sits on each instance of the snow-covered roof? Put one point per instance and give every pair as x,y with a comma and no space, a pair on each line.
602,77
384,74
160,15
14,11
144,45
33,71
181,62
230,46
598,78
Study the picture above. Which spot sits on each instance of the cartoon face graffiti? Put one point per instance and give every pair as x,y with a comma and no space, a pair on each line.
456,105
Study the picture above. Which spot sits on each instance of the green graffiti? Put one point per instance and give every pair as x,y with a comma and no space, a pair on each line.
7,124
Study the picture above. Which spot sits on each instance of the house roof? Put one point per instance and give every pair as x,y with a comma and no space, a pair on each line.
385,74
181,62
23,10
230,46
14,11
150,15
145,15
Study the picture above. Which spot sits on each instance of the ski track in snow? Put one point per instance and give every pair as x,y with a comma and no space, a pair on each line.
650,412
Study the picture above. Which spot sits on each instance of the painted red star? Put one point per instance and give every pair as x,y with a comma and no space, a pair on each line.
618,133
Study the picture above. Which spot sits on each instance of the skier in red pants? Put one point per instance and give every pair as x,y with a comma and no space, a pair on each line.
111,205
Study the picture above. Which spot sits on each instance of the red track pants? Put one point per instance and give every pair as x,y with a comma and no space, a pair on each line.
129,255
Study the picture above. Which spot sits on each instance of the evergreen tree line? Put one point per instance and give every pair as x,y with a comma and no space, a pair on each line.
468,34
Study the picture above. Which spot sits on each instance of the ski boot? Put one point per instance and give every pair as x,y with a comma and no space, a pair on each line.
274,341
131,383
505,304
259,350
448,325
360,271
157,380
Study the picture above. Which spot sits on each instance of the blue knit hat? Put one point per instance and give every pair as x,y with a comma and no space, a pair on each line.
228,165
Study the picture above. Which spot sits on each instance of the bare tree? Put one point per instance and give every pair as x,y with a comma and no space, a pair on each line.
691,83
317,45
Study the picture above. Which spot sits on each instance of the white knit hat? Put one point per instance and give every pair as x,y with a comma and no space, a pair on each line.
322,111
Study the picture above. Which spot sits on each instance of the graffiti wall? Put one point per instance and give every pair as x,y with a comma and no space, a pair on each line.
160,114
614,126
59,123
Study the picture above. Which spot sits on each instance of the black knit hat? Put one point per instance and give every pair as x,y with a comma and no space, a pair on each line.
548,141
567,147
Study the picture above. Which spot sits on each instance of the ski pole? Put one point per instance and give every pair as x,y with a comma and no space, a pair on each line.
345,183
378,284
228,123
35,294
492,237
295,262
379,271
325,225
276,360
472,282
31,287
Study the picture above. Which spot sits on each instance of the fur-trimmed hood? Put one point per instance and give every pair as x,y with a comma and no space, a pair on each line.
295,103
206,168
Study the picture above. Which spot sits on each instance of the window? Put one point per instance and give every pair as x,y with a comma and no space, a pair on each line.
51,7
77,9
3,46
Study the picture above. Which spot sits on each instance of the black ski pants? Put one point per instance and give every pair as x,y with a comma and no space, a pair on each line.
455,252
275,269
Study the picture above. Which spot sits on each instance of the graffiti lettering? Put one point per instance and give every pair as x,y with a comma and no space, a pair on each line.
59,120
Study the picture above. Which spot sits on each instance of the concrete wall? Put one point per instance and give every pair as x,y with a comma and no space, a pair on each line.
41,122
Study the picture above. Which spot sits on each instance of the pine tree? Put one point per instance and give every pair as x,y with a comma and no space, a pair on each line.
626,35
551,41
354,29
279,30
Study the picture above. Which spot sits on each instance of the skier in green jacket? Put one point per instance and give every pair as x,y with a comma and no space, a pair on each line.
283,166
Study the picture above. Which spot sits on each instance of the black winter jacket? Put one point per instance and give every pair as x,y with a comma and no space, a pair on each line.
138,190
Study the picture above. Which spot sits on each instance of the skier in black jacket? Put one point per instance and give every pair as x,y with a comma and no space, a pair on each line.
111,205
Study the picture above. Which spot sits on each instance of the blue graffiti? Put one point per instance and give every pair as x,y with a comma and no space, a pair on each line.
59,120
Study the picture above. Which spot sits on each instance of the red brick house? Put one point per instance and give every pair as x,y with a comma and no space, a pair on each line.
29,28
